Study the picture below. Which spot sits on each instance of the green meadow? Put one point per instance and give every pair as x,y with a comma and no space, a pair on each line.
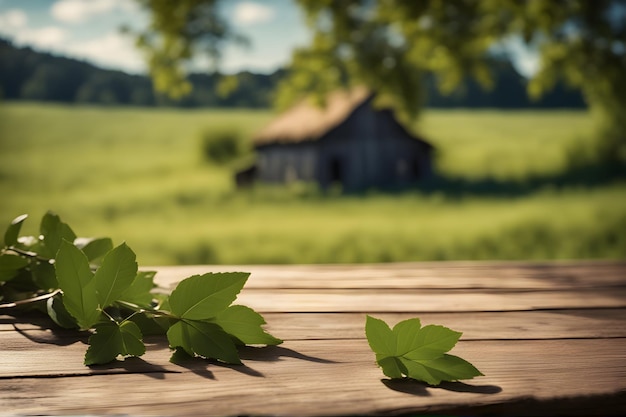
506,190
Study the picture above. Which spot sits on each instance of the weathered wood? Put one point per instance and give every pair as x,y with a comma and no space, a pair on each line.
550,338
330,378
439,275
421,300
556,324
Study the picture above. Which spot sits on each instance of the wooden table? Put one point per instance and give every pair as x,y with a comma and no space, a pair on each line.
550,338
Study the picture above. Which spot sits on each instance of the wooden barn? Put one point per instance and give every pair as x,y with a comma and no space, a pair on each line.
348,142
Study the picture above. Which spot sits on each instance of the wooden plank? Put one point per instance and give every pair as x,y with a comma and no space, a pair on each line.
466,275
475,326
317,378
380,300
601,323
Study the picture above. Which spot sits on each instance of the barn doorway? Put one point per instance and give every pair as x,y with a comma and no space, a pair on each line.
336,171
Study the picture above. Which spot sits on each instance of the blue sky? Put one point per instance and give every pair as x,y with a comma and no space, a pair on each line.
89,30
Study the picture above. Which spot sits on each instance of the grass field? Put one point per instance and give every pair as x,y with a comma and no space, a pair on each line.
138,176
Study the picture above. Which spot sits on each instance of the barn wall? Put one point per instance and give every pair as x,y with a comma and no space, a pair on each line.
287,162
352,146
369,149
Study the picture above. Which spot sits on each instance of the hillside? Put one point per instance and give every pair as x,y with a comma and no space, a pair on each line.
26,74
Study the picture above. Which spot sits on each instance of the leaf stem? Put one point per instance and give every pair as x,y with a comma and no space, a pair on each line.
31,300
139,309
29,254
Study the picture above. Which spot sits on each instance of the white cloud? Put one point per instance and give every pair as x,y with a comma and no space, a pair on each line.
249,13
79,11
113,50
46,38
13,19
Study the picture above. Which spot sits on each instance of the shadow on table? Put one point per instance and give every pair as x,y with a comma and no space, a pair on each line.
413,387
275,353
247,353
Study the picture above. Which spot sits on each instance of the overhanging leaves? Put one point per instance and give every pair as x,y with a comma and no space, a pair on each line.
417,352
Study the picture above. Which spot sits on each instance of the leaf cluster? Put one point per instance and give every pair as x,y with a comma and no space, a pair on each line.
417,352
89,285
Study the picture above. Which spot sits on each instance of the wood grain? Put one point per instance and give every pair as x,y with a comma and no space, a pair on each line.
440,275
420,300
550,338
329,378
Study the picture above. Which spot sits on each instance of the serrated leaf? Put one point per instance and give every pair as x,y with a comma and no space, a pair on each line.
94,248
138,292
444,368
116,274
10,266
379,336
424,343
390,366
78,285
13,231
417,352
202,297
204,339
111,340
54,231
245,325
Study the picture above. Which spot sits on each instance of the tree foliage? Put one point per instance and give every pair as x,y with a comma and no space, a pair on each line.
178,31
389,45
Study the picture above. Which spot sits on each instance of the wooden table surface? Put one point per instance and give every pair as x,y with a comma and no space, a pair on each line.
549,337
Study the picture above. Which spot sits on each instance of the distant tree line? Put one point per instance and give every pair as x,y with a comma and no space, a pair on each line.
26,74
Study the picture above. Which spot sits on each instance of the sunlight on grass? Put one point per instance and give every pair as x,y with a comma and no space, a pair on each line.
138,176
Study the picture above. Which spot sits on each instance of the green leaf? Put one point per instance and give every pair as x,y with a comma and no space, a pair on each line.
204,339
78,285
54,231
429,342
379,336
204,296
116,274
59,314
94,248
44,275
138,292
245,325
111,340
10,265
417,352
151,326
390,366
13,231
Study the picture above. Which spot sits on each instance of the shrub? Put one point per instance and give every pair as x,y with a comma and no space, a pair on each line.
221,145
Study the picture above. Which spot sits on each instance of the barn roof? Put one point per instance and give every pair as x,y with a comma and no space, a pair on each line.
306,121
